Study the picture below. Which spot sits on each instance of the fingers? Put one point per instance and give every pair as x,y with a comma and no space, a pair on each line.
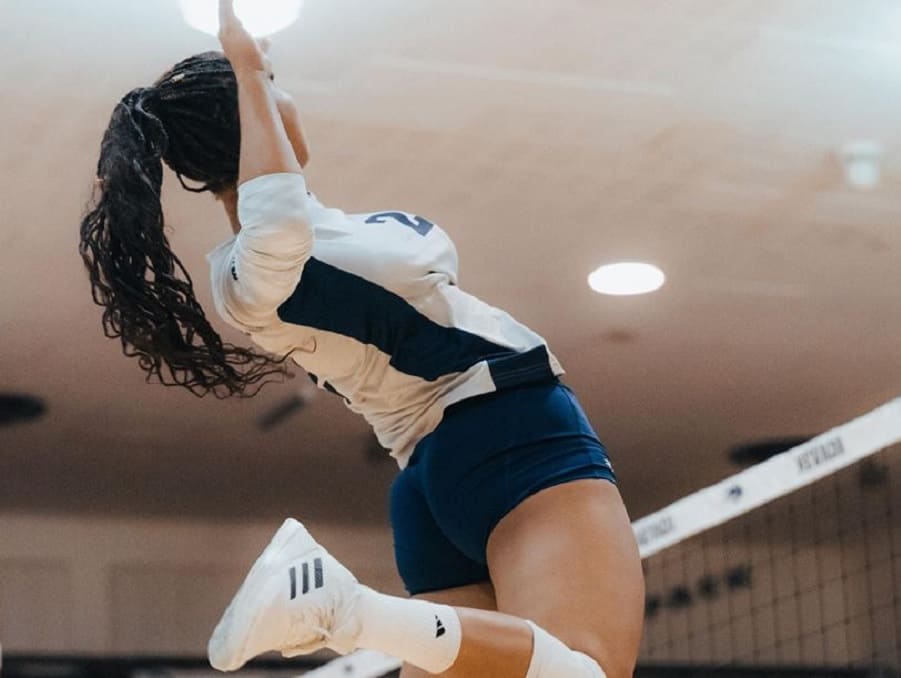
239,46
226,13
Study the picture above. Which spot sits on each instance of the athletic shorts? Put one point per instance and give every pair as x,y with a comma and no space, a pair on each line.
487,455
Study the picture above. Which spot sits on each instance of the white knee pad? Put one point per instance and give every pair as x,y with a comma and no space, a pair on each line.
552,659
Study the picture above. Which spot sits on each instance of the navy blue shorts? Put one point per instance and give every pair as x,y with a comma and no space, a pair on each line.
487,455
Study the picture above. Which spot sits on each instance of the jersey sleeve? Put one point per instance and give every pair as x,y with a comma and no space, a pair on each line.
448,261
268,254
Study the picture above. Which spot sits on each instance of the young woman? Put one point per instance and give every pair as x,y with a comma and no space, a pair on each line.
509,531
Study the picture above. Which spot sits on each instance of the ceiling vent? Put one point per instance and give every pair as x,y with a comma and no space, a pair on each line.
18,407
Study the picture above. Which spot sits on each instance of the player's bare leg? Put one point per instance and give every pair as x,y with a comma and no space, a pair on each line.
566,558
579,579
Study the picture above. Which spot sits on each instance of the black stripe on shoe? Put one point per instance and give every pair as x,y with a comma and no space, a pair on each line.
317,572
305,576
292,573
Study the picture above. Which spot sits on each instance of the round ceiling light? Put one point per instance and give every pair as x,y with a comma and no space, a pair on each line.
260,17
862,162
627,278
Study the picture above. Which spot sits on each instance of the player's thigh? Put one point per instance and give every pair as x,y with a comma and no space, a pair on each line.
566,558
479,596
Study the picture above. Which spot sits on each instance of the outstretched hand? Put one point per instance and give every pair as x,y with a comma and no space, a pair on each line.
239,46
248,58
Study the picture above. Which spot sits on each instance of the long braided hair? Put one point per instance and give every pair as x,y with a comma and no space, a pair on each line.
189,119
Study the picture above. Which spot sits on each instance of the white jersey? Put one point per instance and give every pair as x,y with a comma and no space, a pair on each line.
368,305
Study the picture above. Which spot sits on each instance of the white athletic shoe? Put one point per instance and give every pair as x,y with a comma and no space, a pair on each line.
296,599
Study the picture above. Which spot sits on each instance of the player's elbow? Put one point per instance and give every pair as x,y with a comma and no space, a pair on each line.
258,292
282,242
295,220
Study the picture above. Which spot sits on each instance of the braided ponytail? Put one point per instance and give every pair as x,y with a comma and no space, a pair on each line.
147,295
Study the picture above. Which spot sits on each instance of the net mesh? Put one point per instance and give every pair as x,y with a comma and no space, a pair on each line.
810,579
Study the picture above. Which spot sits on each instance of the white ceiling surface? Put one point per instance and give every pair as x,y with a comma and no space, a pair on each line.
547,137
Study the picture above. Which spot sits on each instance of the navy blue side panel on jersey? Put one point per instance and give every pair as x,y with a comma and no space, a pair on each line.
327,386
328,298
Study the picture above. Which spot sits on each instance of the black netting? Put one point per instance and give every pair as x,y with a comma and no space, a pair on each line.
810,580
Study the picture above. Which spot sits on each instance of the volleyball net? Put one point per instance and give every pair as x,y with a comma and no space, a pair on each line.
809,575
794,562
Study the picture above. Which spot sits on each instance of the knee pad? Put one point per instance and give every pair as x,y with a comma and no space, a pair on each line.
552,659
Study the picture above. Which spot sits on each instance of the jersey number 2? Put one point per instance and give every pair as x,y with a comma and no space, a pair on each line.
420,225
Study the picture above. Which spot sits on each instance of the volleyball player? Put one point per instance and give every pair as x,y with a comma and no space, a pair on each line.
510,534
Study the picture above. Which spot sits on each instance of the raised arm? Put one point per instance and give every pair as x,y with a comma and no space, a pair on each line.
265,145
269,209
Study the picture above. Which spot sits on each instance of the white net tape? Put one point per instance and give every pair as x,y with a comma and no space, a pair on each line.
717,504
771,479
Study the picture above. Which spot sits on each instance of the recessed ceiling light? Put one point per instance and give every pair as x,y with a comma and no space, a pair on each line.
626,278
260,17
862,161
